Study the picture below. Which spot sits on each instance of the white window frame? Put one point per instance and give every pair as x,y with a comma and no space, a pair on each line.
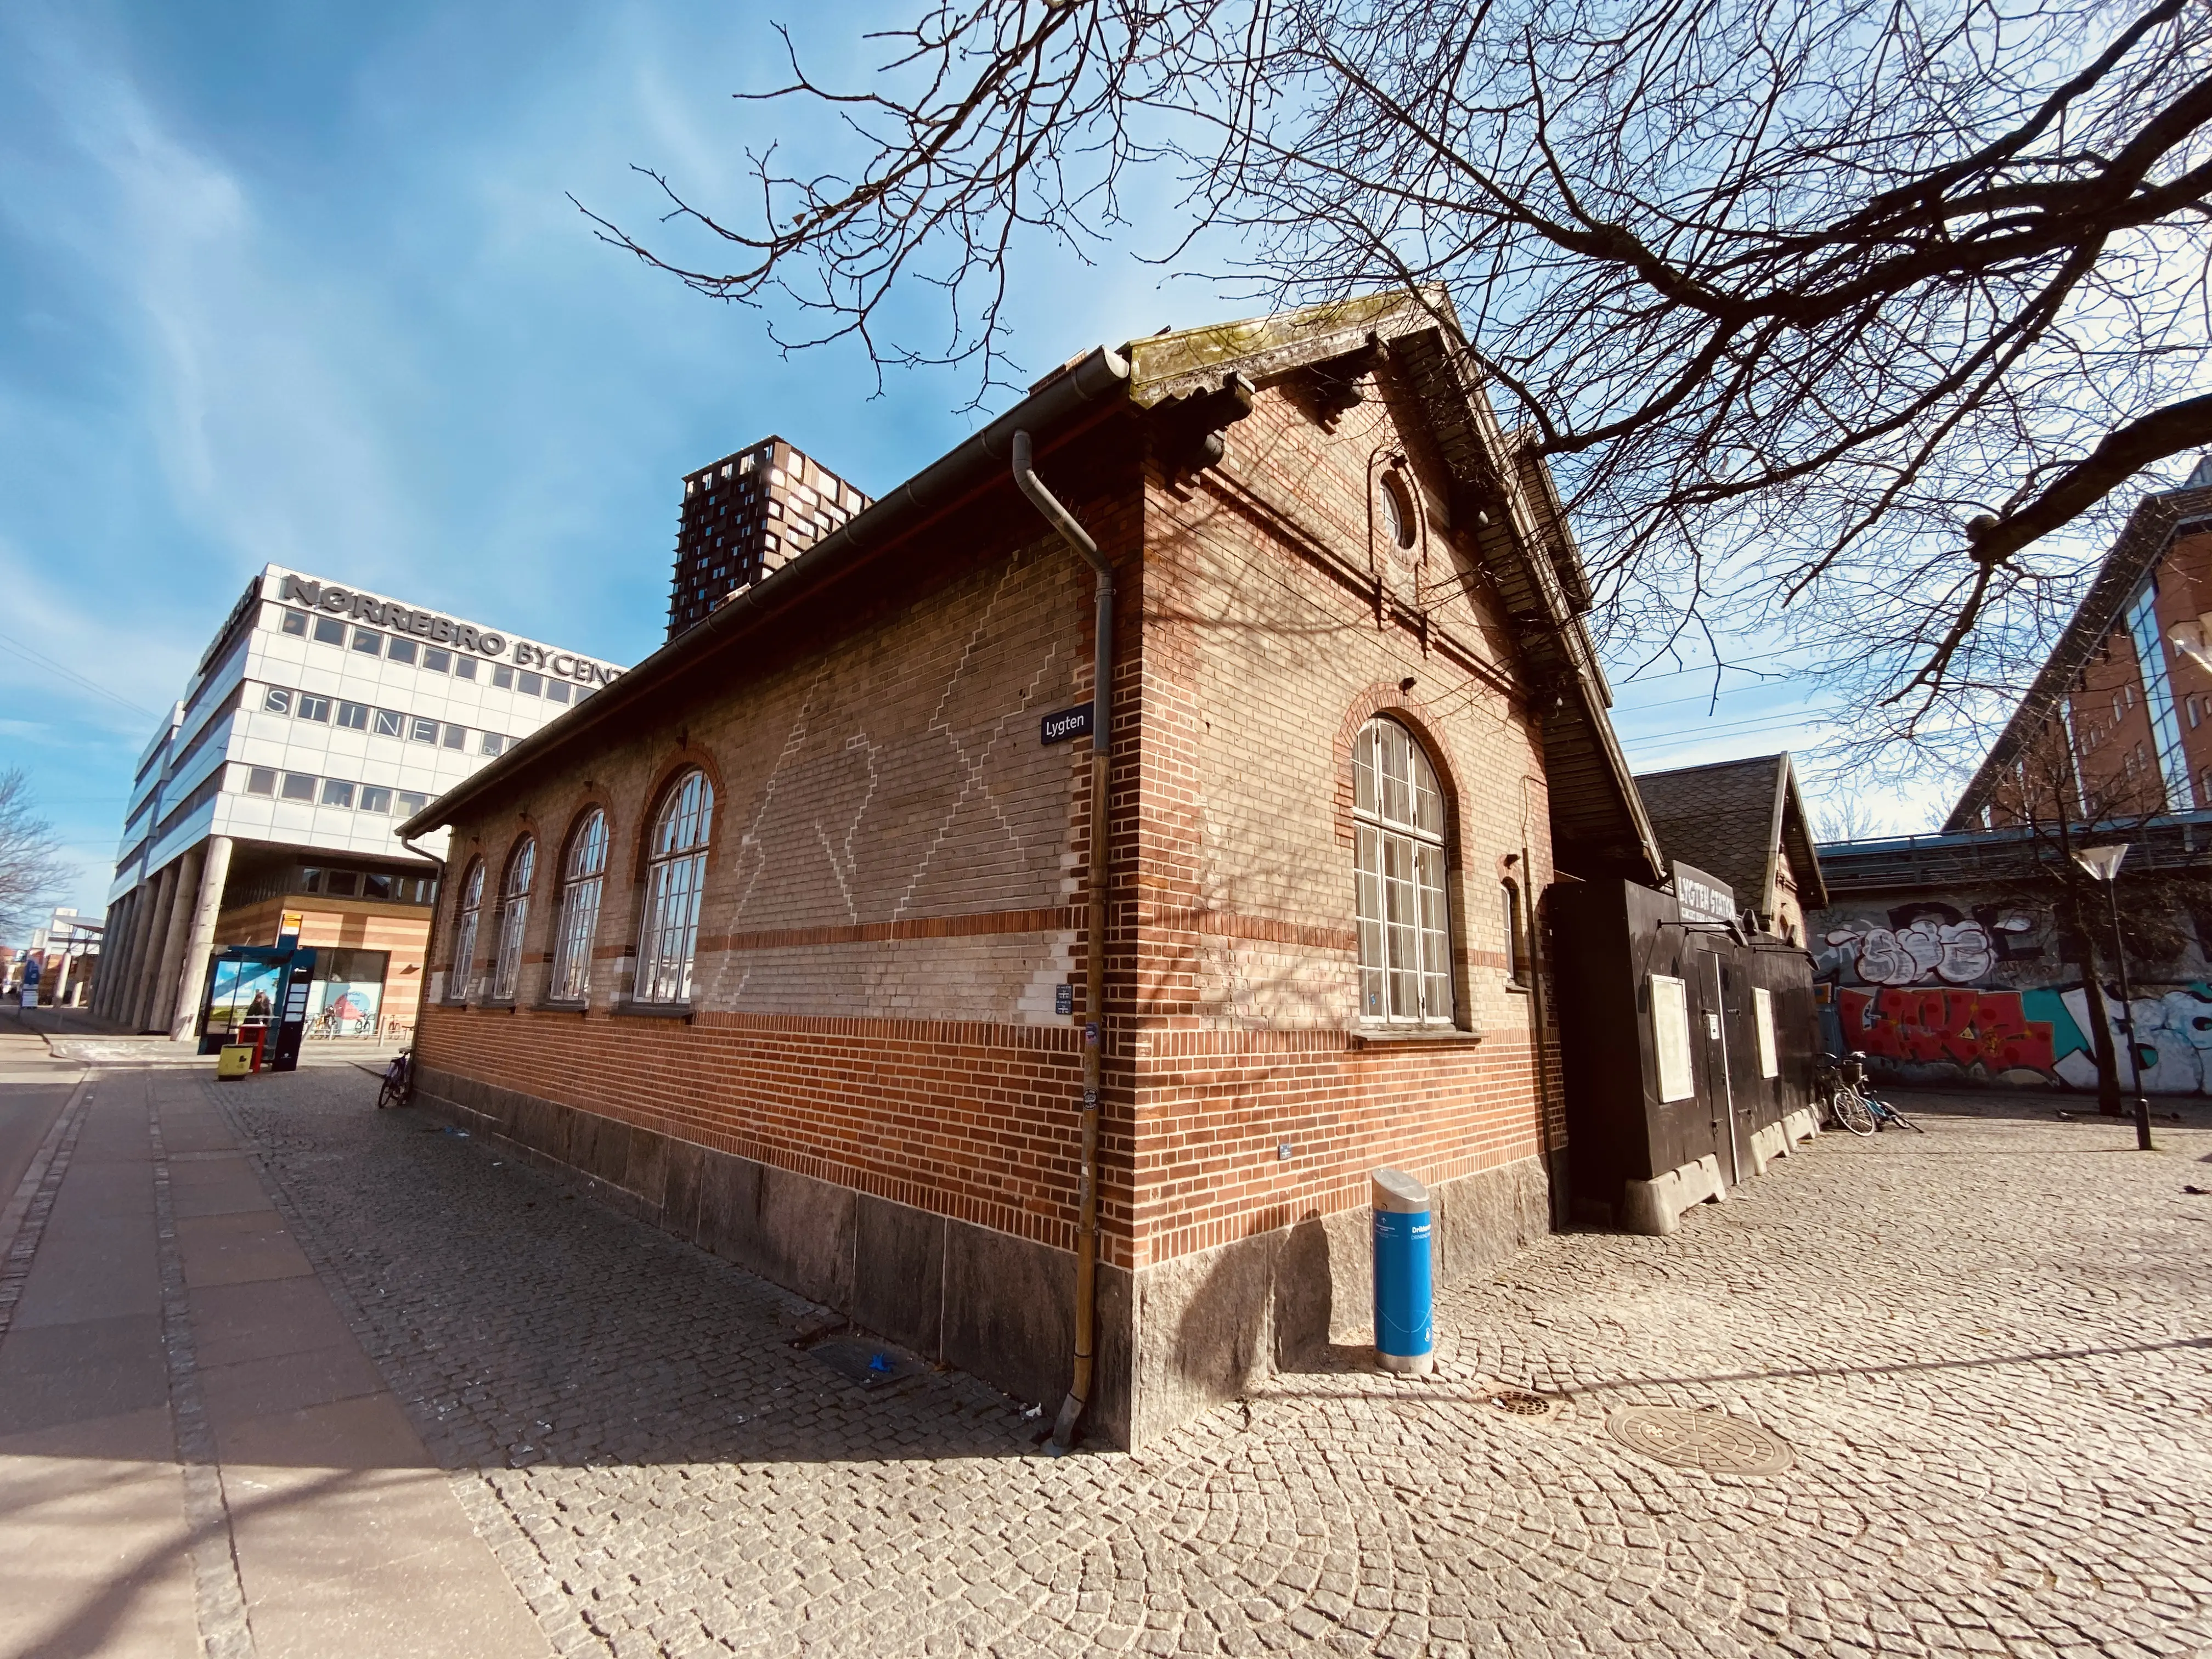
583,882
675,872
464,935
1670,1038
1400,893
513,918
1400,528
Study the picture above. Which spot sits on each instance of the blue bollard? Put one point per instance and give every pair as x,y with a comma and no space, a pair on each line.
1405,1327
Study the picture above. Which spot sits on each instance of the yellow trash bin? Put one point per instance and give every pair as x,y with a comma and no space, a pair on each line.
235,1061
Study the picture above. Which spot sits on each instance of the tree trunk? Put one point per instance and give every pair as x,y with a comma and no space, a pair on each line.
2100,1034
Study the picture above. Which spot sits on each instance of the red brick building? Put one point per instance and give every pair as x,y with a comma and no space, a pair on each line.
784,936
2118,723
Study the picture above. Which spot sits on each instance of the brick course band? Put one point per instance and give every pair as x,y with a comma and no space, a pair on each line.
1058,920
964,1119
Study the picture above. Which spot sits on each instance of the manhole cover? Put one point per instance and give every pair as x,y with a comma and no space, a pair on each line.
1712,1440
866,1364
1520,1403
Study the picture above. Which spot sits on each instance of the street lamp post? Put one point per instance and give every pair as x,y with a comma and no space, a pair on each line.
2102,864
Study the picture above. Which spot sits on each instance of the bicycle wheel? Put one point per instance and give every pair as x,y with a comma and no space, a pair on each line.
1852,1111
1900,1119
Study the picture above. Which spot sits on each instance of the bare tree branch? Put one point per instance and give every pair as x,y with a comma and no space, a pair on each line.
2178,428
31,869
1790,291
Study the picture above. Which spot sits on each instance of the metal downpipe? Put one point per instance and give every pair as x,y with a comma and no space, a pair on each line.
1094,1028
429,940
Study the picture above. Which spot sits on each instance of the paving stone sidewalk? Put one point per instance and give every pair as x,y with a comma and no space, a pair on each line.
196,1458
1989,1346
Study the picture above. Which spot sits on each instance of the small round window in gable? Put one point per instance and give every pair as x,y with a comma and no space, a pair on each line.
1398,520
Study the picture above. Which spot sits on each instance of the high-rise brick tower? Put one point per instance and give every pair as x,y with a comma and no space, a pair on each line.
746,515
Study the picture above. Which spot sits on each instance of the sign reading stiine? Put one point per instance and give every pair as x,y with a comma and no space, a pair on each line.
1067,723
333,600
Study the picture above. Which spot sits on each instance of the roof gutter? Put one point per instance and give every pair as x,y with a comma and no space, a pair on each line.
982,461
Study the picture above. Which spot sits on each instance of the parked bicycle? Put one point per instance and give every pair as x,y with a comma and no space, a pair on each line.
398,1080
1853,1106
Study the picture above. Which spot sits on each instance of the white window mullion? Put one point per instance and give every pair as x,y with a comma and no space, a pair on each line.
464,936
1402,926
1401,901
510,947
1373,994
580,920
1436,943
675,883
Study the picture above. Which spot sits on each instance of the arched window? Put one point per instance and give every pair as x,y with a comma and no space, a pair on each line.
513,917
675,873
465,941
581,883
1405,918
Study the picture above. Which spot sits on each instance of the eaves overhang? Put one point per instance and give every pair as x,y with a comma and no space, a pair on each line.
1794,831
1599,826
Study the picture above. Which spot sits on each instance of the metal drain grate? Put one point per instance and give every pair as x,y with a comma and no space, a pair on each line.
1708,1440
1523,1404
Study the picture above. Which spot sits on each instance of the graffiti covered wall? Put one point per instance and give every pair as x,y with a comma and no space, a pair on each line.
1937,993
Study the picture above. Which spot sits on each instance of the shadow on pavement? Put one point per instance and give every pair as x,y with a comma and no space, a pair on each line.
520,1323
2042,1105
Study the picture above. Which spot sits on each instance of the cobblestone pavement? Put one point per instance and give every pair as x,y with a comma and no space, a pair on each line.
1990,1348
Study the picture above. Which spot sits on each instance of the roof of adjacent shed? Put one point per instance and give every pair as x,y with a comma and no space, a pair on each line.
1729,820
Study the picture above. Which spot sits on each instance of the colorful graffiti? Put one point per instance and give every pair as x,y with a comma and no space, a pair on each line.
2173,1041
1959,950
1933,993
1967,1027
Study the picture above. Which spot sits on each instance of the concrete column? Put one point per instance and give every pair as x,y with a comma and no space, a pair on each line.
114,946
161,1010
116,919
159,903
199,945
142,923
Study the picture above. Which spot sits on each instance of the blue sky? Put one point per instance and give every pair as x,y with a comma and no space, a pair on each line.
303,283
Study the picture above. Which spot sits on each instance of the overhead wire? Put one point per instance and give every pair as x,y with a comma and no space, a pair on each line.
1769,721
44,661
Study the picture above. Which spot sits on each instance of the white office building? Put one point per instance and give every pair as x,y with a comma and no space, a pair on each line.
264,812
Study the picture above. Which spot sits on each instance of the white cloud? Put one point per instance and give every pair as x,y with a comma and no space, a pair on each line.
228,332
